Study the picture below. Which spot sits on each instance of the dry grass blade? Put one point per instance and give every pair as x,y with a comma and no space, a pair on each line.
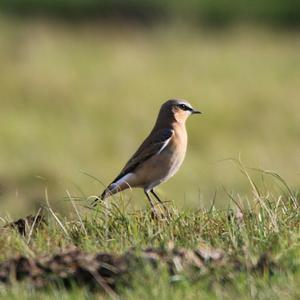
77,212
33,224
54,215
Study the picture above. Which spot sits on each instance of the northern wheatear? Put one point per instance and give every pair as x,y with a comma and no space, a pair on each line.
160,155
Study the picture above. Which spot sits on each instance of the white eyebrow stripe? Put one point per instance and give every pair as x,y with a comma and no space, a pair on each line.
186,104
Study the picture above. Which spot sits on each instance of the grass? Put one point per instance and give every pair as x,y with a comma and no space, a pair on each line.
271,226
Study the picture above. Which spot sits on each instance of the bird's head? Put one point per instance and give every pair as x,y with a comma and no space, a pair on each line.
177,109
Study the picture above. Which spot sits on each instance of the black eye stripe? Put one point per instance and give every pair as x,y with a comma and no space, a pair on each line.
184,107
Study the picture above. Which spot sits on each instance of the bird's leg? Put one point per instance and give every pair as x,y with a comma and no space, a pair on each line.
152,205
158,199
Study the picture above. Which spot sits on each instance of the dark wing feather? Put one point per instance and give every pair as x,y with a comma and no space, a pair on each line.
155,143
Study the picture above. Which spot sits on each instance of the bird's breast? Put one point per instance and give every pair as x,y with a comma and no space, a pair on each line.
175,154
161,167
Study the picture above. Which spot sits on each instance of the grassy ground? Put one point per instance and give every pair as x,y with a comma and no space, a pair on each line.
271,227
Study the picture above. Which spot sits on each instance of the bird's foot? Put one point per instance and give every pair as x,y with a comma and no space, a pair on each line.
154,215
160,214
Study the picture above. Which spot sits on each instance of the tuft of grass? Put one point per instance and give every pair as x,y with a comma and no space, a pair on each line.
265,223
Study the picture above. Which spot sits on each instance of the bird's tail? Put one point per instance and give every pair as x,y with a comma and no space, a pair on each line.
118,185
112,189
107,192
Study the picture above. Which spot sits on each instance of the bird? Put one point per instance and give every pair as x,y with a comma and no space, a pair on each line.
160,155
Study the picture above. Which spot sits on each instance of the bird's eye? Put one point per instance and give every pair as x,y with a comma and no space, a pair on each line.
183,107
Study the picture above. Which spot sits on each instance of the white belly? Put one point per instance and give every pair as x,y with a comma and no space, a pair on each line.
168,167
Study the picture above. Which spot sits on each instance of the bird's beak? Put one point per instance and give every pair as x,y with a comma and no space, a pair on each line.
194,112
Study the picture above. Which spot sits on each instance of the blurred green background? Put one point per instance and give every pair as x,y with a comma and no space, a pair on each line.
81,83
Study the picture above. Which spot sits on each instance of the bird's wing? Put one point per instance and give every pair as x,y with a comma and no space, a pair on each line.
153,145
